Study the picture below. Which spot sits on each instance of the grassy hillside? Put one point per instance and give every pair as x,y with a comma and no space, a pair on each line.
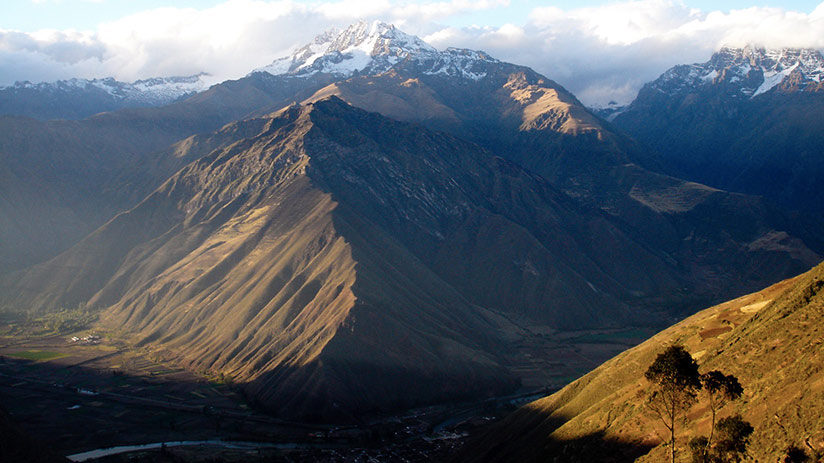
771,340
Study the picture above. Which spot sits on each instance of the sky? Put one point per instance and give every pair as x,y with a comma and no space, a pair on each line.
601,50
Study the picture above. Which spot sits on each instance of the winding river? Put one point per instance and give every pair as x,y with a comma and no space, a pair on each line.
105,452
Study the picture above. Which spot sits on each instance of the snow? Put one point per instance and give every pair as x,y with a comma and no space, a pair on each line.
157,90
711,76
771,79
374,47
753,70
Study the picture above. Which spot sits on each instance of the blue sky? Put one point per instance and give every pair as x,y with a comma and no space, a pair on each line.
600,50
32,15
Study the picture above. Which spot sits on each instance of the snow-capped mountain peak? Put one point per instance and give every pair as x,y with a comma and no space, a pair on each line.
362,46
153,91
371,48
747,72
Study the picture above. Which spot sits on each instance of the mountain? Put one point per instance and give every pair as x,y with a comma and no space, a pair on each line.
249,247
746,73
608,112
61,179
328,256
758,112
65,178
769,340
80,98
363,47
534,122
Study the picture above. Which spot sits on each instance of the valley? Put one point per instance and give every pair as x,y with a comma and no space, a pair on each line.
99,392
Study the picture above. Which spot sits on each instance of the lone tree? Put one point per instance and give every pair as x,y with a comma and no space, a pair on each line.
720,389
675,374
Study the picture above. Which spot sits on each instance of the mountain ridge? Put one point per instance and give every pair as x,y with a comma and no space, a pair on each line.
755,70
372,48
758,113
81,98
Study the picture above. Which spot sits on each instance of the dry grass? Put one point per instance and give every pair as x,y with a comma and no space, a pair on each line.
770,340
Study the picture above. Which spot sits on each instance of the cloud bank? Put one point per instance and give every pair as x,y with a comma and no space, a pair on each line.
600,53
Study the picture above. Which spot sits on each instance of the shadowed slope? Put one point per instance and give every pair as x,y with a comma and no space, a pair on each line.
770,340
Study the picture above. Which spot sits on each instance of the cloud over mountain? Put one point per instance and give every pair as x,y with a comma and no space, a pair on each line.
600,53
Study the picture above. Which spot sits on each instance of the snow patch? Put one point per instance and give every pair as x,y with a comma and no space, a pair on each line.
772,79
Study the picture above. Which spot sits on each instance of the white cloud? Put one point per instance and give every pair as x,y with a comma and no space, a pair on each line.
600,53
227,40
608,52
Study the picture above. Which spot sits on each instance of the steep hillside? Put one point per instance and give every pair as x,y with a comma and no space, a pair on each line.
770,340
329,256
758,112
59,180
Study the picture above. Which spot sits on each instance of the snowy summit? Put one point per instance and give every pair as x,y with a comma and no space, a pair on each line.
148,92
373,48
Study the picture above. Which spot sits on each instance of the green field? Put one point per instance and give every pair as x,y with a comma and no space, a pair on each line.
37,355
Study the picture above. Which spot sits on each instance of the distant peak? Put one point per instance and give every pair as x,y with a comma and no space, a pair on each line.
746,71
372,48
363,46
758,53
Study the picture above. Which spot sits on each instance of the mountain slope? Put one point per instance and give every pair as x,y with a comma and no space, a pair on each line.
330,256
81,98
62,179
531,120
79,174
758,112
770,340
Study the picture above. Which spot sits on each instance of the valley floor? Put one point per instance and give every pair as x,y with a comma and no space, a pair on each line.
86,390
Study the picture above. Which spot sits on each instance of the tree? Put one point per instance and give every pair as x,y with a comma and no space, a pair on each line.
720,389
675,374
699,450
735,436
795,454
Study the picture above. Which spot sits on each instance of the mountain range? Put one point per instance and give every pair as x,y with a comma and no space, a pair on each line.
81,98
757,113
367,213
327,229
